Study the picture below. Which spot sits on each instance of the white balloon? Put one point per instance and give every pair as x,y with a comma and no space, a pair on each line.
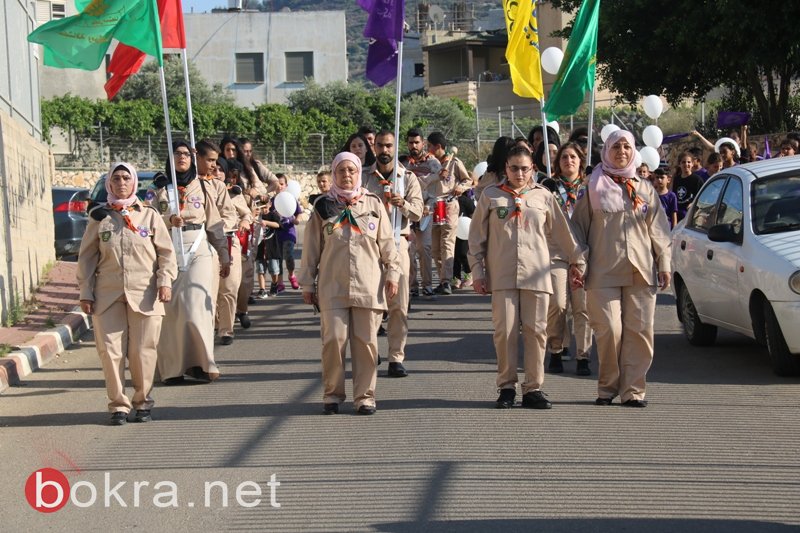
554,125
653,106
462,230
652,136
607,130
650,157
293,187
285,204
480,169
551,59
637,160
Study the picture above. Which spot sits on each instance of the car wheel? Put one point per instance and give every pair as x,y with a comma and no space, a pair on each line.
784,363
697,333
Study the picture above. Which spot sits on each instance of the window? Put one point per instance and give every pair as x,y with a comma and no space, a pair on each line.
299,66
250,68
704,211
58,11
419,70
730,209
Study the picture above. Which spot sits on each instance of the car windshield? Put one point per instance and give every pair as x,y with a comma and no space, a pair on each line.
776,204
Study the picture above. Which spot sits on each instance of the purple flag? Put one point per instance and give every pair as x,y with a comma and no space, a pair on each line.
385,20
731,119
674,137
767,152
382,62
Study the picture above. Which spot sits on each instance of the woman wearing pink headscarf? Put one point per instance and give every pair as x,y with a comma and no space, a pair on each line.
126,267
348,244
621,220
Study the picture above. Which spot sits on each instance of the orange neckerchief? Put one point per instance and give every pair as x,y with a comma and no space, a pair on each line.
387,186
517,200
182,196
346,216
124,212
635,200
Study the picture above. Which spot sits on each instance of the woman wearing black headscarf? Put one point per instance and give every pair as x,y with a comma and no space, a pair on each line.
187,334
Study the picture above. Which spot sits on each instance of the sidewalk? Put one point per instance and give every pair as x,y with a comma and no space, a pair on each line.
47,329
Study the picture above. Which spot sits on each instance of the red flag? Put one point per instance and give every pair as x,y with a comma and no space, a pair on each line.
127,61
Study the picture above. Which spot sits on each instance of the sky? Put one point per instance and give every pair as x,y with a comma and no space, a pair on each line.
201,6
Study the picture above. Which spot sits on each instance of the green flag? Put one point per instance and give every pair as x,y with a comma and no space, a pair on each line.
576,75
82,40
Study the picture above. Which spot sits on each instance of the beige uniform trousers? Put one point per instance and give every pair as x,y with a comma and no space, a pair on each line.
229,291
187,334
359,326
121,332
248,281
421,248
509,308
558,332
397,326
622,319
443,243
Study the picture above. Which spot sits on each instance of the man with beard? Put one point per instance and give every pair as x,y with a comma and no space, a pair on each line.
381,182
422,164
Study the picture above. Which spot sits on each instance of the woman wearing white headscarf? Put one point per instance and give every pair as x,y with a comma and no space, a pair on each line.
348,243
125,270
621,220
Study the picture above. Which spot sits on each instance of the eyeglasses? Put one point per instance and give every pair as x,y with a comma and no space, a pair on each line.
513,169
182,153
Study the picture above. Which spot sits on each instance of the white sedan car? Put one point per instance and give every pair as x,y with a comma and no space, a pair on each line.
736,259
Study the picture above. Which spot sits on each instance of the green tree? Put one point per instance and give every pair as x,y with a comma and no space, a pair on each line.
684,49
146,85
442,114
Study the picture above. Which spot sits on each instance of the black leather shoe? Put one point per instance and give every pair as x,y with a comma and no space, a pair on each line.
536,400
366,410
251,300
604,401
397,370
506,399
119,418
226,340
381,331
244,320
582,369
555,366
178,380
635,403
331,409
143,415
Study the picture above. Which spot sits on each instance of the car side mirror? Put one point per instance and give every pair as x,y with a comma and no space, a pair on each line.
723,233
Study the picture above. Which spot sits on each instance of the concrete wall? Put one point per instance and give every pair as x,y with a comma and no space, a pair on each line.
213,39
26,212
19,79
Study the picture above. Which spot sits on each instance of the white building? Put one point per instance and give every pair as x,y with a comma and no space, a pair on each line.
263,57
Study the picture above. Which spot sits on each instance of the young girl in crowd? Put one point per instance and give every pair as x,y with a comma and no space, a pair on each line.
687,184
669,200
287,238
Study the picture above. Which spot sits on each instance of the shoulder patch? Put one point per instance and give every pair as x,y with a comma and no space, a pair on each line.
581,192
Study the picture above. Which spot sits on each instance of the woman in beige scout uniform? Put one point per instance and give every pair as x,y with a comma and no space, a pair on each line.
509,257
621,220
187,336
347,242
125,271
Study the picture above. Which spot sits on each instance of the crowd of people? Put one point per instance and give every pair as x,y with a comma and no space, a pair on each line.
569,241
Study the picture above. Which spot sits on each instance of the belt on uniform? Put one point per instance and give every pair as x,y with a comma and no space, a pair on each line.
191,227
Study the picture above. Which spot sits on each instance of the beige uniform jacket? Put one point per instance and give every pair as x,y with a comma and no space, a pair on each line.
422,168
487,180
412,209
347,266
198,209
115,261
242,210
516,256
223,202
459,179
623,242
271,183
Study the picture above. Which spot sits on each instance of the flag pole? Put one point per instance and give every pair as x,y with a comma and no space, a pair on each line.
189,115
590,128
177,234
544,138
399,181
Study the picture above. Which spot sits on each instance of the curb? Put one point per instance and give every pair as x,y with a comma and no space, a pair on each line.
42,349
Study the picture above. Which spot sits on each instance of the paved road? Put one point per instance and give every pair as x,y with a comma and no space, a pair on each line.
716,450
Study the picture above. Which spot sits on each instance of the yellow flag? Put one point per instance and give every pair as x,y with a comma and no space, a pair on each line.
522,51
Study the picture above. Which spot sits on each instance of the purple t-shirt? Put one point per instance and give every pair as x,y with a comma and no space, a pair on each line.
670,203
287,231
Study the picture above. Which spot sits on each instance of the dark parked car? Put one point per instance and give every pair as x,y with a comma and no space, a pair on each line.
69,215
99,194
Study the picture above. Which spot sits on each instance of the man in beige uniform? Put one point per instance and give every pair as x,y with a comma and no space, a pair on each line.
451,181
621,219
423,164
380,182
348,249
510,257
